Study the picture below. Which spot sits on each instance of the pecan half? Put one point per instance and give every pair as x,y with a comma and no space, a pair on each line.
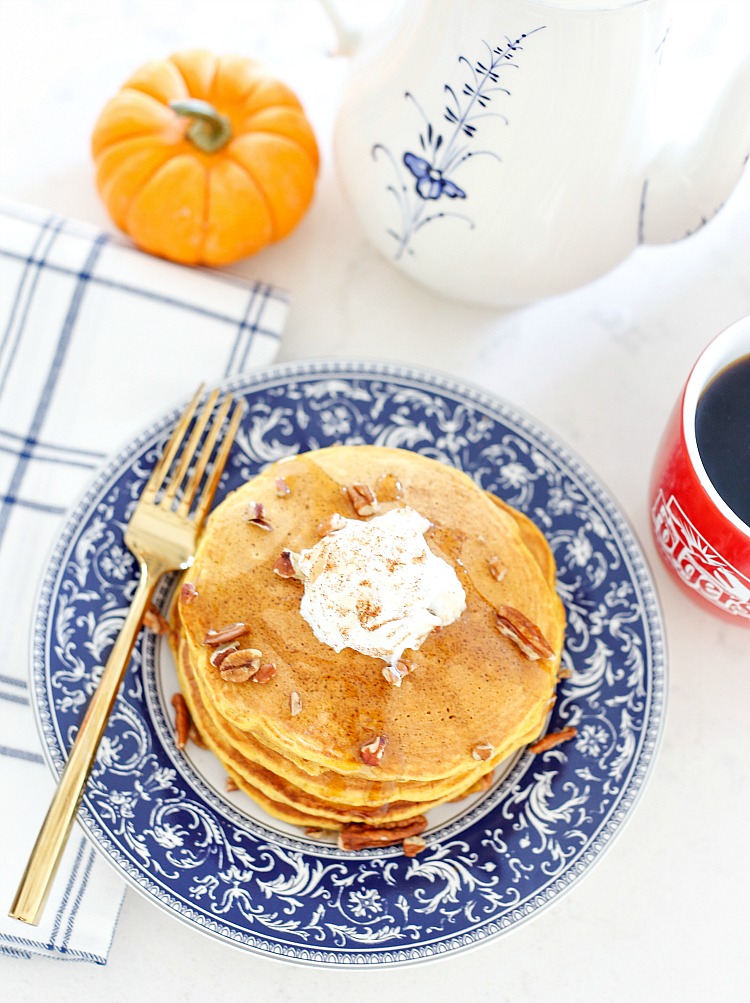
359,836
525,634
154,621
239,665
216,637
239,674
295,703
188,593
483,752
181,720
332,524
553,738
413,845
284,566
256,516
242,658
497,569
372,752
362,499
265,673
282,488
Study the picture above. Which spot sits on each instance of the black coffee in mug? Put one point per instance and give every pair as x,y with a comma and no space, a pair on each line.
722,431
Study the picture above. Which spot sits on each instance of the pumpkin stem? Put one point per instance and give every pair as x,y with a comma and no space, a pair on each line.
209,130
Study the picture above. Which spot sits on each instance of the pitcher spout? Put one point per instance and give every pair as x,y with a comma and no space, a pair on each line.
687,184
348,36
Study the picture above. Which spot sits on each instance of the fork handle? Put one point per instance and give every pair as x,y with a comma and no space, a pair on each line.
45,857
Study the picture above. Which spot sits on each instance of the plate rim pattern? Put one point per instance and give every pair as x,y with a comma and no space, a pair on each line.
640,575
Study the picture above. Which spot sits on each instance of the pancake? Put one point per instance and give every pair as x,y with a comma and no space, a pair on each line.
270,789
533,539
471,696
342,802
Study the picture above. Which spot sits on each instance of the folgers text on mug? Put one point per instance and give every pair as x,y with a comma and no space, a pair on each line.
700,485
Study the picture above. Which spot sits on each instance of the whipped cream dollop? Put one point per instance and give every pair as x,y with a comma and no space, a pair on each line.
375,586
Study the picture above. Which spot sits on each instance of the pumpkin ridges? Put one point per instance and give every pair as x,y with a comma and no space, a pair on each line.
259,189
235,80
237,211
206,212
167,216
125,167
129,114
292,125
191,204
269,94
289,192
197,67
160,79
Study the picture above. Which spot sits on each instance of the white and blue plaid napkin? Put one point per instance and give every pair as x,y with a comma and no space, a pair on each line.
96,340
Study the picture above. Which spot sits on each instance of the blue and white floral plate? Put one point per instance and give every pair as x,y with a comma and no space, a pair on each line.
213,858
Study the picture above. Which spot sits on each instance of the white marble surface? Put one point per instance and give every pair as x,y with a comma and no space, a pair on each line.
661,917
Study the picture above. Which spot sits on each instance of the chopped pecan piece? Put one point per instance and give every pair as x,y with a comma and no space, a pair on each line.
553,738
483,752
483,784
395,673
256,516
314,833
230,785
332,524
295,703
362,498
216,637
265,673
497,569
565,674
154,621
181,720
282,488
284,566
392,675
372,752
413,845
219,654
188,593
359,836
478,787
195,737
529,638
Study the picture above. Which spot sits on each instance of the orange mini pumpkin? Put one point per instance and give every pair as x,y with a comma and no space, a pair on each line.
204,159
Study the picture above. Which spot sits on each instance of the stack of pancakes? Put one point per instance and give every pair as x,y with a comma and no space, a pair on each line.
292,736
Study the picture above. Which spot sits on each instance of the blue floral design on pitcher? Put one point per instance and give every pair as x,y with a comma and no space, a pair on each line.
432,172
430,181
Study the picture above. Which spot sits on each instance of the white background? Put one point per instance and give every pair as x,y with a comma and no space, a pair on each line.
663,916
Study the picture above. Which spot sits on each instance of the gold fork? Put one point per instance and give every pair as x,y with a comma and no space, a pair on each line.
162,533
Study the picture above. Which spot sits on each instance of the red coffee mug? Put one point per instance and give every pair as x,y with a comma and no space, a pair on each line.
698,536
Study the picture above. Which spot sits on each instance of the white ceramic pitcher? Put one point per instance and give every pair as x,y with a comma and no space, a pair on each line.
499,151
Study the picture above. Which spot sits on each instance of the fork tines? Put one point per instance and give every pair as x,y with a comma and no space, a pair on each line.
188,459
